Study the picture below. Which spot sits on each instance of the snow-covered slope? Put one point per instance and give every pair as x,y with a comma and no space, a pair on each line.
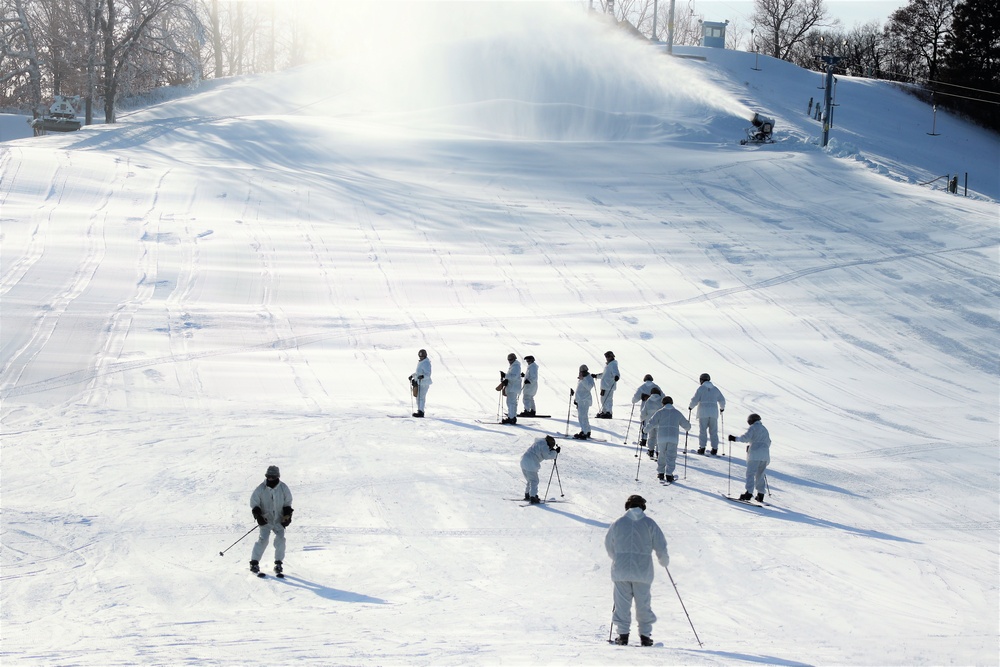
242,277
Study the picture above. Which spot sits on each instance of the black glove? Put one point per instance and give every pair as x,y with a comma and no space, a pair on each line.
411,378
526,381
721,410
503,383
420,377
286,515
558,449
522,374
502,375
617,378
602,392
732,438
259,516
576,404
593,375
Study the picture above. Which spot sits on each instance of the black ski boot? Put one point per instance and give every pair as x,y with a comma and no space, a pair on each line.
701,450
760,497
745,497
645,641
659,476
715,452
255,567
534,500
651,454
622,640
580,436
418,413
670,478
527,496
509,420
278,570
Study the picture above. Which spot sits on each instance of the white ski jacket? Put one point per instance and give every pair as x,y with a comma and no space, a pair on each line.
760,443
610,375
664,425
513,378
534,455
423,368
708,399
584,392
531,374
271,501
631,541
650,408
643,390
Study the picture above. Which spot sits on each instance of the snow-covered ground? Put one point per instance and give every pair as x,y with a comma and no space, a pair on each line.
242,277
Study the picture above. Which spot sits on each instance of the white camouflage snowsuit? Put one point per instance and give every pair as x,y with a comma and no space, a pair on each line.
664,434
584,399
530,387
609,380
422,376
513,387
630,542
758,455
531,463
709,401
271,503
649,408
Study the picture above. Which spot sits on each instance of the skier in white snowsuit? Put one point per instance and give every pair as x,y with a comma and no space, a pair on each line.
530,376
651,402
511,387
758,456
583,400
531,462
630,542
421,381
609,380
664,433
710,403
271,505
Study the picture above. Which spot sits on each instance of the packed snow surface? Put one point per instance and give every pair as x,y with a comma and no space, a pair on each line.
242,275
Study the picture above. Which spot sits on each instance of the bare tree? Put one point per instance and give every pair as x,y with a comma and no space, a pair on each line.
922,27
783,24
123,25
20,65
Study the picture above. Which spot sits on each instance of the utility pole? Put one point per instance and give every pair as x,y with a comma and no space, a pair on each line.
830,61
670,29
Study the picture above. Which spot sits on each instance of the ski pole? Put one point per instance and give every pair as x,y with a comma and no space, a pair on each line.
629,424
569,408
223,553
411,394
685,453
637,469
729,475
614,608
683,607
499,399
558,478
546,494
767,486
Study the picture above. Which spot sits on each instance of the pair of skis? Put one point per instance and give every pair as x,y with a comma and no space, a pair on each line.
751,502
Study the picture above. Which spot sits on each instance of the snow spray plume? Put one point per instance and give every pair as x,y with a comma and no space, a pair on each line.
539,71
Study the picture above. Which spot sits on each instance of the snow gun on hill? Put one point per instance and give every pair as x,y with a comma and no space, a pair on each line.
761,131
60,117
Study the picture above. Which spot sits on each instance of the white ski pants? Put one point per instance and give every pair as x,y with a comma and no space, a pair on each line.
511,405
625,593
708,426
755,476
265,537
531,481
608,399
422,395
667,460
528,396
581,413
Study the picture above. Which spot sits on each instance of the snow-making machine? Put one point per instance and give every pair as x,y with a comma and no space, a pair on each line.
761,131
60,117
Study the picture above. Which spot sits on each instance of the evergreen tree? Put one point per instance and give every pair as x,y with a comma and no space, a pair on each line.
971,63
